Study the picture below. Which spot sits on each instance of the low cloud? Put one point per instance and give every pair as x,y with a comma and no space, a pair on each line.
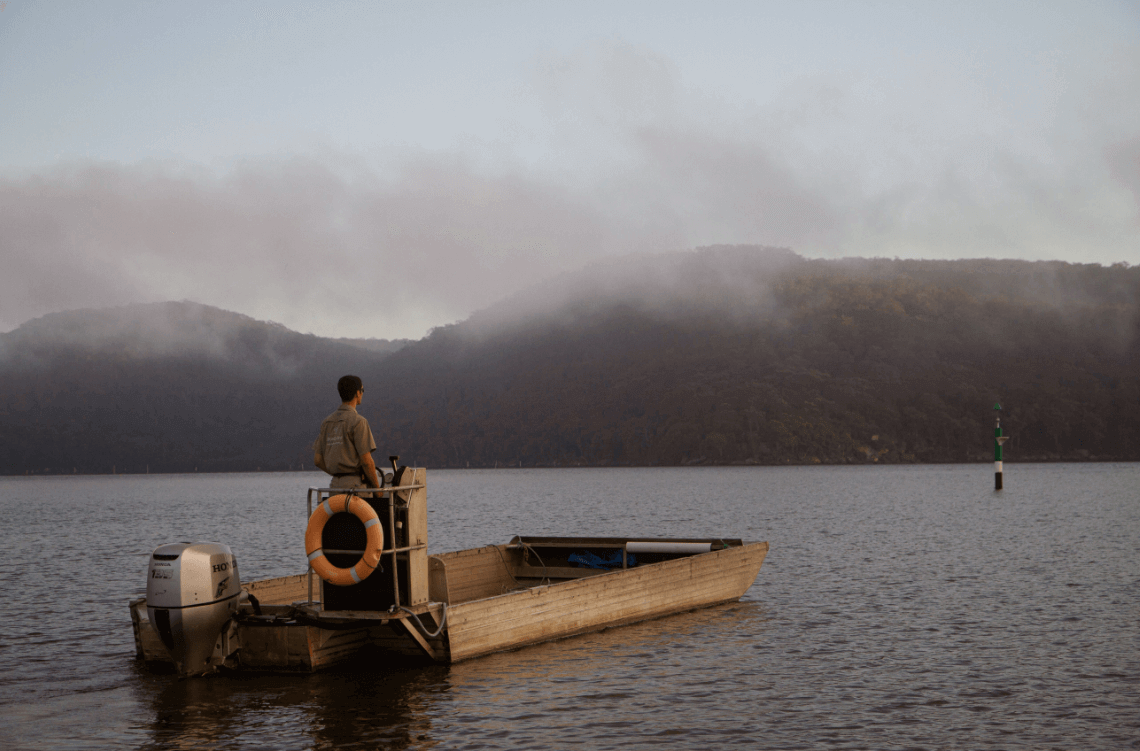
297,243
830,168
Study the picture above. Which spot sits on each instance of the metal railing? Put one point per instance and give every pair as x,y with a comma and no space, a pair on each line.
394,503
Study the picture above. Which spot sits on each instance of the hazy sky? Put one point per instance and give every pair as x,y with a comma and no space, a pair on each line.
378,168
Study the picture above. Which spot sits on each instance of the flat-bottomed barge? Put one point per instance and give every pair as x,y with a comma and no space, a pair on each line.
442,608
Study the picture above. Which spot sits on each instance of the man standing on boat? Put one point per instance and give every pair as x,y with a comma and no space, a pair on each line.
344,447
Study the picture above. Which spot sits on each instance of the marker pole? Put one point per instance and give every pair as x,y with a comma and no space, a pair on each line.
999,439
997,455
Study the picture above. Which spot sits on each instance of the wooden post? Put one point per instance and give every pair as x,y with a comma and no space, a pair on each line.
418,581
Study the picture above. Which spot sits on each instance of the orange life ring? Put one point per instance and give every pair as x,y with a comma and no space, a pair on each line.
358,507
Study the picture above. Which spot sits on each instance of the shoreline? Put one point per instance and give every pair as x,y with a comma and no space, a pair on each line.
518,466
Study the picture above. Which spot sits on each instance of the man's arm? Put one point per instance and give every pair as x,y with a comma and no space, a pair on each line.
369,468
318,451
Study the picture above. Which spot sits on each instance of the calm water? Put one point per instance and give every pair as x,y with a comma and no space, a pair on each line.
899,607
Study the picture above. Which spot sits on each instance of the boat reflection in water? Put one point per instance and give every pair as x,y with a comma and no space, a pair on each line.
366,706
520,696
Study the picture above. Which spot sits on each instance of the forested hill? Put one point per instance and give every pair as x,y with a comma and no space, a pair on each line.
723,355
170,387
749,355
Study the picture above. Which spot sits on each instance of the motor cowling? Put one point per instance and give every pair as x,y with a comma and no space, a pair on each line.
192,591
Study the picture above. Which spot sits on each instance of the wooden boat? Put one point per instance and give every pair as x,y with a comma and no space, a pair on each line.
459,605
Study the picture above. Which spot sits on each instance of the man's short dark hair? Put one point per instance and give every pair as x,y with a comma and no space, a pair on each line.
347,387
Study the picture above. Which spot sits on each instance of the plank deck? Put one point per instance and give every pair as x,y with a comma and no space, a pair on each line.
282,590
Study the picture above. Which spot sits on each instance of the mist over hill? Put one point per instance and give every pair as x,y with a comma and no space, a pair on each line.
724,355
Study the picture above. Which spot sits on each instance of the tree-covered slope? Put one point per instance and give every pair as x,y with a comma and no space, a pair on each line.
751,356
171,387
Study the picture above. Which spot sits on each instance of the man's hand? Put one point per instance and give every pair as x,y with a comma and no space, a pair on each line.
369,468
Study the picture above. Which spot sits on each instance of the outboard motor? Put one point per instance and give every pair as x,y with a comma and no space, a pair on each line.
192,591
